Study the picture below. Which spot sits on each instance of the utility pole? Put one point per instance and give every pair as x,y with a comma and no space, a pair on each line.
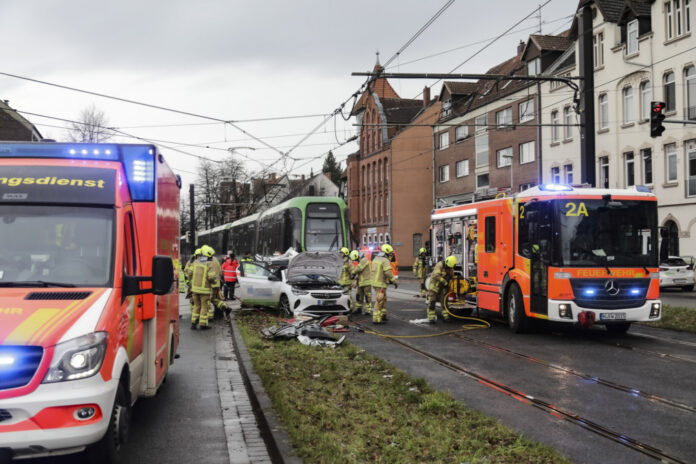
587,116
192,221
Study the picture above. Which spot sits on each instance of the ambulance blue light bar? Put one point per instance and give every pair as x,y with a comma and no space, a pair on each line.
556,187
138,160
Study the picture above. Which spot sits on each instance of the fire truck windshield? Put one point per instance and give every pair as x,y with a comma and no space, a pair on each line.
611,233
48,245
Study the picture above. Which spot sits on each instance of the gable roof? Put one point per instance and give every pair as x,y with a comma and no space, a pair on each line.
459,88
380,86
400,110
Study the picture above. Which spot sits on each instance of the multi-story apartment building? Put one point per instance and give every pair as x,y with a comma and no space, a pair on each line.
643,51
14,127
389,180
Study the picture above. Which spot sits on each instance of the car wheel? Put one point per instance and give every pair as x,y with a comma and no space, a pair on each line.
618,328
517,319
284,306
108,449
688,288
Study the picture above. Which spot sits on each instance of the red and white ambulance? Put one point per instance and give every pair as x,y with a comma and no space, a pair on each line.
89,316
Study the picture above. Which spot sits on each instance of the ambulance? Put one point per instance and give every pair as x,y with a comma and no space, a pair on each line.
555,252
89,316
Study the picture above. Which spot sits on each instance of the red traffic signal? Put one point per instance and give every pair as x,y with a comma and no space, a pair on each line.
656,118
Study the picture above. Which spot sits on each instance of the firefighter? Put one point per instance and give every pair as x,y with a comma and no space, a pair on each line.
353,258
202,274
187,269
229,271
363,274
218,305
247,257
420,269
381,276
439,285
345,280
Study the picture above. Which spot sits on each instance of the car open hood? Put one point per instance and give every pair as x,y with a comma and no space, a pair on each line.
323,263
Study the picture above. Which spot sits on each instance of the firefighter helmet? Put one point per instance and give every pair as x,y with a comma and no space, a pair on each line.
354,255
207,251
345,251
197,252
422,250
451,261
387,249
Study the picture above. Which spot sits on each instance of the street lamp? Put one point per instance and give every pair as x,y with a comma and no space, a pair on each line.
512,190
233,149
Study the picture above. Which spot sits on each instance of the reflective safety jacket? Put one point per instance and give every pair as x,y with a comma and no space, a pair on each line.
364,272
187,270
419,267
229,270
440,277
382,274
218,272
346,272
202,275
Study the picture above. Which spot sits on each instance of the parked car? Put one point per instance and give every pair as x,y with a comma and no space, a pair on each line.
676,272
308,284
690,261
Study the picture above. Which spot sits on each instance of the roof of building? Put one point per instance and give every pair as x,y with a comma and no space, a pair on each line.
380,86
400,110
557,43
460,88
20,120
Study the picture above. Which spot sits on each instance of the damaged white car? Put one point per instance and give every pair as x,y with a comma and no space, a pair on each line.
309,284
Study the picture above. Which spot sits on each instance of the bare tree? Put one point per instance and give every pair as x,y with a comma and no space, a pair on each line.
217,192
91,126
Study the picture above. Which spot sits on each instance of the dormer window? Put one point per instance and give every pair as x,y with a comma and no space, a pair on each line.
632,37
446,107
534,67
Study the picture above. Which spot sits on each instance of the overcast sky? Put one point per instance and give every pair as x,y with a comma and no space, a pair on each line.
241,60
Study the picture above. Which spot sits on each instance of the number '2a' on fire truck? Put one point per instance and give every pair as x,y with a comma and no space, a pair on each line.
88,308
556,252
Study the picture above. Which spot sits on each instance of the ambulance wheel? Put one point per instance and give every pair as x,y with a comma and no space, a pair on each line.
109,449
618,328
516,318
284,306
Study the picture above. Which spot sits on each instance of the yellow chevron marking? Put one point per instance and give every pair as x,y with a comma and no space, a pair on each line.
29,326
48,324
67,312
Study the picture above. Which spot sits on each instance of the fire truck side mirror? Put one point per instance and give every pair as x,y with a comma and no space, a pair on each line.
162,274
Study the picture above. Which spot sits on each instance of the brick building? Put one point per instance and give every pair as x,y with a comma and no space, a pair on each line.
389,180
14,127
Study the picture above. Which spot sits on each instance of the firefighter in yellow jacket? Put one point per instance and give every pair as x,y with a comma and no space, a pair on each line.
217,302
346,280
439,284
363,273
187,271
420,269
382,275
202,275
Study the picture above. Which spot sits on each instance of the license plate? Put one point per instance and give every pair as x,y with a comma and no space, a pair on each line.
326,302
679,281
612,316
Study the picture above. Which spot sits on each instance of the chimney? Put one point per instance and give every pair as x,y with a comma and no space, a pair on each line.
520,47
426,96
303,178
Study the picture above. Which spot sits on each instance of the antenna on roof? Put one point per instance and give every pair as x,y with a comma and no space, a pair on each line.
377,63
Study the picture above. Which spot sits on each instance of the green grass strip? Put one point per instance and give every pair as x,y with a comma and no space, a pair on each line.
345,405
677,318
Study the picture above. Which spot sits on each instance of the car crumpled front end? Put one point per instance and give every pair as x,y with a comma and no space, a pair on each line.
312,277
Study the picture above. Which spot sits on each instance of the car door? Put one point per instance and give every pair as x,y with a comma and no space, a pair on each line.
258,286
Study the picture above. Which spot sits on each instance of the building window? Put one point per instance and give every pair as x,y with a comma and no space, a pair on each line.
527,110
481,147
669,92
444,140
669,19
364,240
461,132
555,129
462,168
627,93
504,157
691,168
568,120
386,238
481,123
446,107
444,173
646,157
687,16
482,181
534,67
504,118
381,238
524,187
632,37
526,152
603,111
568,173
645,99
671,160
604,172
630,169
386,200
556,175
690,84
598,49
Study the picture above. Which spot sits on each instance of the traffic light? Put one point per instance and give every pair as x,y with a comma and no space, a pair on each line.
656,118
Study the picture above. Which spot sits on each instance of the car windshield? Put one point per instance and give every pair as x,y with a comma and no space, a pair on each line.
43,245
310,278
674,262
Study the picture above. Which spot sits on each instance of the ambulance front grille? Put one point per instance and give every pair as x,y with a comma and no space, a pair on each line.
57,295
19,365
5,415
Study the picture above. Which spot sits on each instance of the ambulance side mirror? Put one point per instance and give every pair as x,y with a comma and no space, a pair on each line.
162,279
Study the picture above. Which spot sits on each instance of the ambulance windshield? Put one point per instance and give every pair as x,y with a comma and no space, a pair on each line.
48,245
607,233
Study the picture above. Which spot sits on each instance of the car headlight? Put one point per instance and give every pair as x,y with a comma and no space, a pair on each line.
346,291
78,358
297,291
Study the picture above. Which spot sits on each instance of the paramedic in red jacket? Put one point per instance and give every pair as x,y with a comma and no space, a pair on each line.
229,272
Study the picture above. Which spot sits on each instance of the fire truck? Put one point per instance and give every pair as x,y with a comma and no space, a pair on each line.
555,252
89,315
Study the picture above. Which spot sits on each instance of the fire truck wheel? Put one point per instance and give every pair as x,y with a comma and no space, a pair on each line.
516,318
108,450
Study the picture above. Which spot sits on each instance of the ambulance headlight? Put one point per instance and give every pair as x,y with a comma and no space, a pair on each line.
78,358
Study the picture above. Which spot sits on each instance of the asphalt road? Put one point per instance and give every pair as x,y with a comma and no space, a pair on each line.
677,297
639,386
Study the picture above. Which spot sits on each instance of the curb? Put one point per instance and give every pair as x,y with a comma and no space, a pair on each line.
275,436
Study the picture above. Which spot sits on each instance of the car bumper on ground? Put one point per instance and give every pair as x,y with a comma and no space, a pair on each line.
676,281
320,302
603,316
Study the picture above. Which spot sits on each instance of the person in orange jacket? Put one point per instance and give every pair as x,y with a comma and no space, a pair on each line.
229,272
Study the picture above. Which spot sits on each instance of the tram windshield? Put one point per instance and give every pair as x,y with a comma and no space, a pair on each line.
323,227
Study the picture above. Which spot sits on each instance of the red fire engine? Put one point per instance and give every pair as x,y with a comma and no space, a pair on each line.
88,309
555,252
